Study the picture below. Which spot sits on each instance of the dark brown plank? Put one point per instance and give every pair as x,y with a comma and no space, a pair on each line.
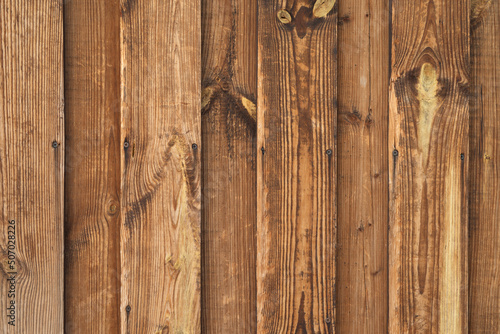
161,133
296,229
31,166
428,138
229,65
363,83
92,173
484,229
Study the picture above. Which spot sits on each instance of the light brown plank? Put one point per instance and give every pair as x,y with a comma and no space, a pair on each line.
229,63
484,229
428,138
161,123
296,229
31,164
92,173
363,83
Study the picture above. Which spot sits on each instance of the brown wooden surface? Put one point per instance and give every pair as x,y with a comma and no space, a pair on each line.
296,177
181,173
92,168
363,83
161,121
31,169
229,63
484,227
428,135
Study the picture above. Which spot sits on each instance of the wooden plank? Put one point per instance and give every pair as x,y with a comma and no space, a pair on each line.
363,83
31,166
484,230
428,138
296,210
161,132
92,174
229,81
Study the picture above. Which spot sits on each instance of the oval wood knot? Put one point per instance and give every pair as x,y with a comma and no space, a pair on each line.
323,7
284,16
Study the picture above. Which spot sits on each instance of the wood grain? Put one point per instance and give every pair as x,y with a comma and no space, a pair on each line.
92,173
161,125
229,81
31,163
484,200
363,83
296,205
428,138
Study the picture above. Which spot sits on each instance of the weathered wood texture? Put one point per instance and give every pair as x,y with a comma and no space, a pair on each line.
92,168
296,176
216,121
428,137
161,132
363,83
484,227
229,63
31,163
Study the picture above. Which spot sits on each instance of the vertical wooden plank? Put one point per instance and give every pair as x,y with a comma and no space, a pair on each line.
161,123
484,230
92,173
428,138
31,166
229,63
296,229
363,206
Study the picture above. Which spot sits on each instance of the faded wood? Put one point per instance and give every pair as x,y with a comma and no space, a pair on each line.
363,78
296,176
31,163
484,228
92,173
161,121
428,138
229,63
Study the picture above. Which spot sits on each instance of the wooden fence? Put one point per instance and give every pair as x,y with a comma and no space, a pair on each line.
250,166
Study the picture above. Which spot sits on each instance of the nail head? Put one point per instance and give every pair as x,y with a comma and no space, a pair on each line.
329,152
395,153
55,144
126,144
194,146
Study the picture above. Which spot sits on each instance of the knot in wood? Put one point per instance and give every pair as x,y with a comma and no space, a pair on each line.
322,8
284,16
